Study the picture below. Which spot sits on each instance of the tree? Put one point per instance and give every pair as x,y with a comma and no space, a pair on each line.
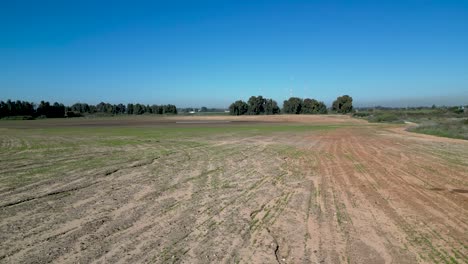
238,108
157,109
343,104
256,105
322,108
312,106
138,109
271,107
309,106
120,109
293,105
169,109
130,109
43,108
56,110
3,109
16,108
81,108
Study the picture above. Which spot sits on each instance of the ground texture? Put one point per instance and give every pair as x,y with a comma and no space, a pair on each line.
286,189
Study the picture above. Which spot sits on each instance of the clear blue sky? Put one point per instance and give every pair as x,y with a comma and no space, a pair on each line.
194,53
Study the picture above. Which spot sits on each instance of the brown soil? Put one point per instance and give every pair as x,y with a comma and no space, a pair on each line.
356,194
162,121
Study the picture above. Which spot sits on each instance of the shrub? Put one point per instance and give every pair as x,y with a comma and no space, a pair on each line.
385,118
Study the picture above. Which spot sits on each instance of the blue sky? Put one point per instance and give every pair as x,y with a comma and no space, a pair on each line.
194,53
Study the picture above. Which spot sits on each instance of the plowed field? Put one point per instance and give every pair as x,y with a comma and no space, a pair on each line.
275,189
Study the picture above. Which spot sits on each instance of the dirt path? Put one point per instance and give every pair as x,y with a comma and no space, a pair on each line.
360,194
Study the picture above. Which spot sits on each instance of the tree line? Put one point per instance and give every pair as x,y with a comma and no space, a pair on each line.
130,109
24,108
57,110
257,105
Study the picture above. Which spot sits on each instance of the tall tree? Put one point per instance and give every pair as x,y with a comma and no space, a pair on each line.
169,109
256,105
321,108
343,104
292,106
238,108
312,106
271,107
130,109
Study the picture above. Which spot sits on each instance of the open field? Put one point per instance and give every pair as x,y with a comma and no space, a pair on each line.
449,122
252,189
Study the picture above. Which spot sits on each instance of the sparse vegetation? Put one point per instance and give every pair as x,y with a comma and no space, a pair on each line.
175,189
446,128
439,121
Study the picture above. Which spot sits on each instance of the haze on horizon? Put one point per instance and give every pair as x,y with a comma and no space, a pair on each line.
211,53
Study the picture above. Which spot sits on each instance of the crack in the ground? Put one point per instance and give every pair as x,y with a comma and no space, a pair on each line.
276,245
18,202
46,195
133,166
112,172
76,188
145,163
276,253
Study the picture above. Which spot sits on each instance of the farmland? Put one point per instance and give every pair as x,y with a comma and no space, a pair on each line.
225,189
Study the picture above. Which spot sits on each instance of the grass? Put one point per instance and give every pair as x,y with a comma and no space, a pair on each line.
380,117
99,149
152,132
450,128
437,122
29,155
413,115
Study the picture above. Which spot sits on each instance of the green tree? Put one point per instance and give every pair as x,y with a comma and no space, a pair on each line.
238,108
312,106
343,104
16,108
43,108
130,109
271,107
293,105
322,108
309,106
120,109
256,105
169,109
138,109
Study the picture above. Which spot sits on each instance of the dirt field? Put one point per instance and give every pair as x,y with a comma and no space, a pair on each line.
275,189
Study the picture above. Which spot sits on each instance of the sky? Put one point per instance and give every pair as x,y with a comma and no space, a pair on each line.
211,53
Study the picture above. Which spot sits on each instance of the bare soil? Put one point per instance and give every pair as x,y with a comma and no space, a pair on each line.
358,193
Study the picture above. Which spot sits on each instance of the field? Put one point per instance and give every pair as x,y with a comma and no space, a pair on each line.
252,189
451,122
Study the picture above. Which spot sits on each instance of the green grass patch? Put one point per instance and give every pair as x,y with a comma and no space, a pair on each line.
451,129
186,131
58,151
